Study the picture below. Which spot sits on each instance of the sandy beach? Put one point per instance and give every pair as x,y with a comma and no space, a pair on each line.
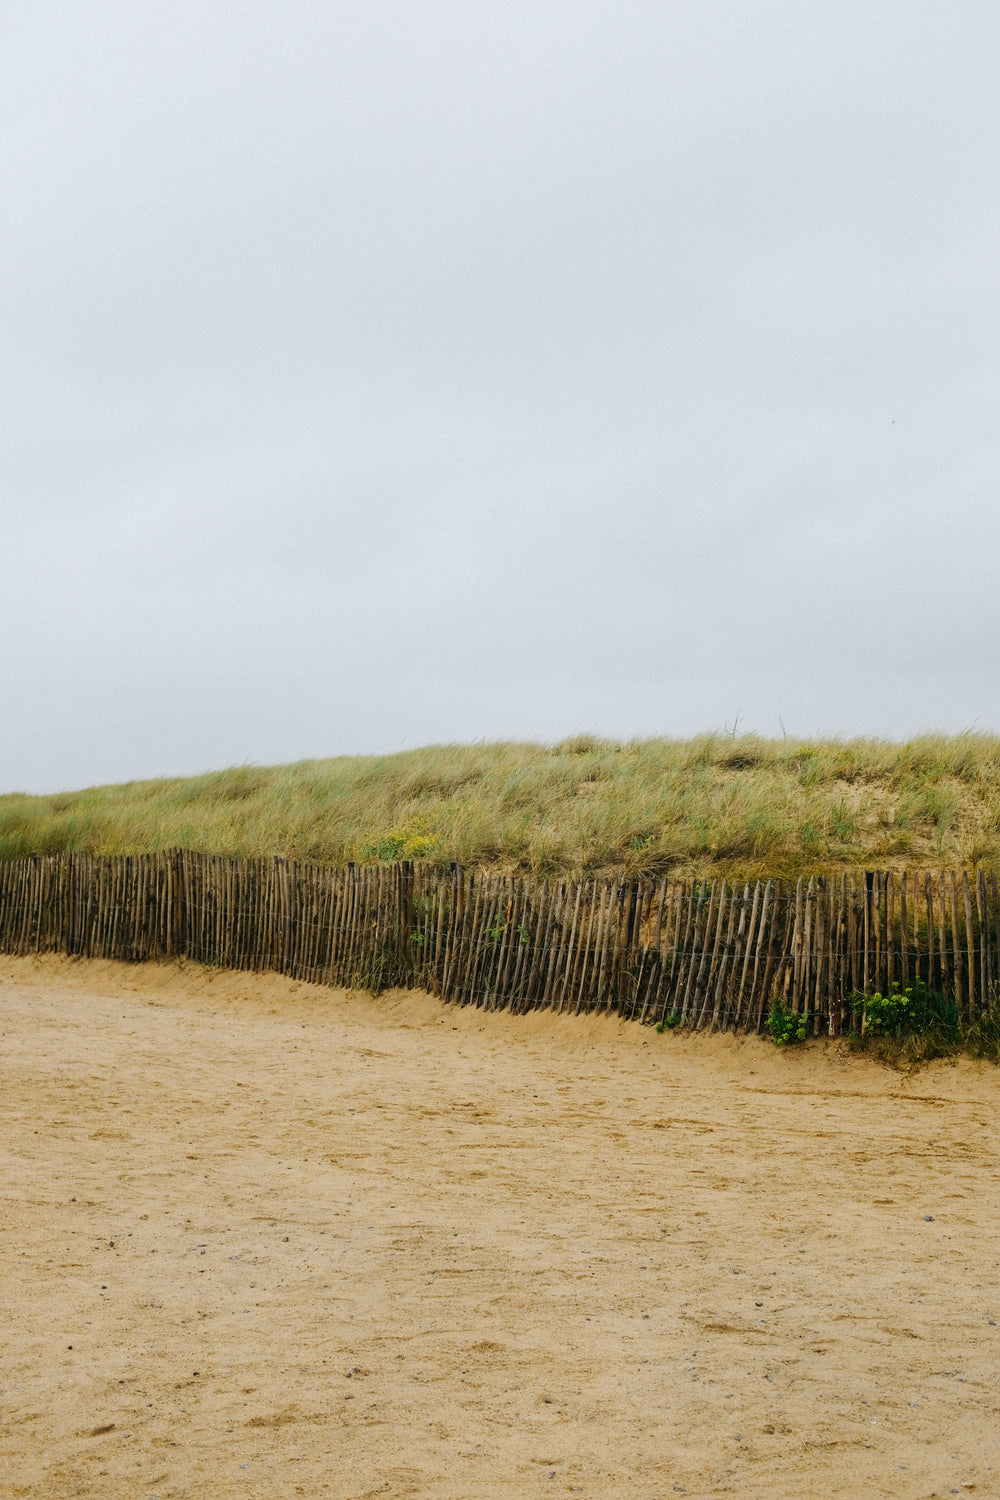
263,1239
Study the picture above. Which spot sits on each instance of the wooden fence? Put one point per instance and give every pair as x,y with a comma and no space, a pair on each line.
701,954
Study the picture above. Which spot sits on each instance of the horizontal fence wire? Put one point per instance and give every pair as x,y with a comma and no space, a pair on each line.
698,954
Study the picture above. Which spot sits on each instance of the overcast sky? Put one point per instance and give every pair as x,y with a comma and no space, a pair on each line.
379,374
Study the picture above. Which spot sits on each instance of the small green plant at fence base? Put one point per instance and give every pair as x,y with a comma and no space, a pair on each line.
787,1026
888,1015
905,1012
669,1022
913,1024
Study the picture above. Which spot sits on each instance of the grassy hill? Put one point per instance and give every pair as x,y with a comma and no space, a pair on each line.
711,805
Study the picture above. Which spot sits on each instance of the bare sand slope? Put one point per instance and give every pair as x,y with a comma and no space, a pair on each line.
261,1239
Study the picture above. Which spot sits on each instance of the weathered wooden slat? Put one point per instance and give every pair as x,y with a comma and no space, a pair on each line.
565,978
682,902
604,942
868,933
757,987
931,958
716,902
492,933
890,943
651,954
557,939
466,894
539,903
778,970
994,1002
970,946
722,972
881,888
520,946
747,935
457,895
808,934
712,956
921,959
985,946
835,983
666,950
961,987
797,941
485,939
576,968
511,953
694,953
819,954
594,917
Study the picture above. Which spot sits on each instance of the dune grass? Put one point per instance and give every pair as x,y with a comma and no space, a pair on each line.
711,805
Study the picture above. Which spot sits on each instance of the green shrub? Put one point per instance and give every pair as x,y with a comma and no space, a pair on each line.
888,1015
913,1025
787,1026
906,1012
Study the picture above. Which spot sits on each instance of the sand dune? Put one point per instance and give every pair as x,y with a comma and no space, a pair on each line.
261,1239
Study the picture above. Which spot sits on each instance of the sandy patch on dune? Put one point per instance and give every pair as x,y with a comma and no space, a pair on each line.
262,1239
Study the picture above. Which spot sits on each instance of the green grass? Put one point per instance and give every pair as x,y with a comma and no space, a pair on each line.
706,806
